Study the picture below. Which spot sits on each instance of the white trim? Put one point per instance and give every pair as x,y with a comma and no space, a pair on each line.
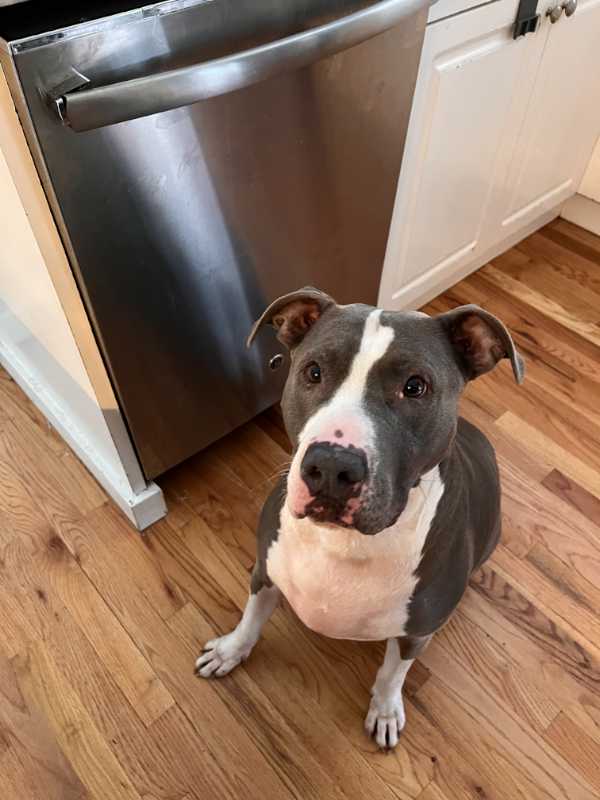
442,9
584,212
142,508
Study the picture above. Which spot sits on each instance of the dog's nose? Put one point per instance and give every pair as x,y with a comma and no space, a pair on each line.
333,472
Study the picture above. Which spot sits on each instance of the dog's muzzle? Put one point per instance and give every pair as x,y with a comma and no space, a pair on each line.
335,477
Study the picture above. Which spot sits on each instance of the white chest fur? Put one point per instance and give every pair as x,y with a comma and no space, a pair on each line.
347,585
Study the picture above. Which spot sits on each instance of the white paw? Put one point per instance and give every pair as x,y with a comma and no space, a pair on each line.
220,656
385,720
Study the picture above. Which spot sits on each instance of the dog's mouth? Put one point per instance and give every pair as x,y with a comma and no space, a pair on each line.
366,520
328,512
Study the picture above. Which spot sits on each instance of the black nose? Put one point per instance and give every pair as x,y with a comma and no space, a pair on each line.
333,472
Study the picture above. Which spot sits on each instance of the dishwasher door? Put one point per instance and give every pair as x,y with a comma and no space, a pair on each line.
272,164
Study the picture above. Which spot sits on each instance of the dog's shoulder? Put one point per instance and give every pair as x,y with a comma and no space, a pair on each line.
267,532
463,532
473,447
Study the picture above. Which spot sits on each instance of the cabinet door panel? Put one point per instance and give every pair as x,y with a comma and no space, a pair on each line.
561,122
468,75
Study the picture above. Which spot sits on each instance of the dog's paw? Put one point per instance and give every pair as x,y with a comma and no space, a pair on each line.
385,720
220,656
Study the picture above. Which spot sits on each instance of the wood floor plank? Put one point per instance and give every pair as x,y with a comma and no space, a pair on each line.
180,511
16,406
60,471
572,235
559,668
512,450
513,686
97,679
588,330
525,749
552,454
573,494
22,622
547,272
533,515
43,687
50,486
271,422
47,582
585,713
563,609
36,765
113,646
571,257
550,410
432,792
253,455
564,666
518,763
20,516
580,750
169,760
118,543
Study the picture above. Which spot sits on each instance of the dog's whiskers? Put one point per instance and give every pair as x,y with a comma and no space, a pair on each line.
280,472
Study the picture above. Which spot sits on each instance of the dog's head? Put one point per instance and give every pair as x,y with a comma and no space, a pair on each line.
371,400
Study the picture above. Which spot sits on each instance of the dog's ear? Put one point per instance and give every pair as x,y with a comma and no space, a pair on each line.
292,315
480,340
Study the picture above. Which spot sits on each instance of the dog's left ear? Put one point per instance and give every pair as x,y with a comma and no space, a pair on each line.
293,314
480,340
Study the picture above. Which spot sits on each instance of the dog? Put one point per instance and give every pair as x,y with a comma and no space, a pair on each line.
391,501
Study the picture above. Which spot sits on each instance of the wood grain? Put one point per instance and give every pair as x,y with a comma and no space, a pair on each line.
432,792
43,687
559,312
101,626
551,453
531,639
580,750
573,494
33,762
573,236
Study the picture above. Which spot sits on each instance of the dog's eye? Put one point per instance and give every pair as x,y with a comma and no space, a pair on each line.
414,387
313,372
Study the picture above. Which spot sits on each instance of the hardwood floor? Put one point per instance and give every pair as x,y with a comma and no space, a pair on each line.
100,626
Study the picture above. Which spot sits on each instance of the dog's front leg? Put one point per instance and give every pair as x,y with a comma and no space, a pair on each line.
385,719
220,656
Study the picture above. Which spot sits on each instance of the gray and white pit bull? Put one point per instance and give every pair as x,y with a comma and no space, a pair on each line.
391,500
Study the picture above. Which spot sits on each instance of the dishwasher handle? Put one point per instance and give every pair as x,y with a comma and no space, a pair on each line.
87,109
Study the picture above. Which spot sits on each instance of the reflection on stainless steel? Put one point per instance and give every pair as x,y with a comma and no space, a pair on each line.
151,94
183,224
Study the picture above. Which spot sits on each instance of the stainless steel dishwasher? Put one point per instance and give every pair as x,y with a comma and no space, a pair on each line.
202,157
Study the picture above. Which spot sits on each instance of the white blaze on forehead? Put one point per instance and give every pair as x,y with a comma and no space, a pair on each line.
375,341
344,411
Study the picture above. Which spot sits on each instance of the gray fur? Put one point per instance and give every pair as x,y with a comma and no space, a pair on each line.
412,437
409,437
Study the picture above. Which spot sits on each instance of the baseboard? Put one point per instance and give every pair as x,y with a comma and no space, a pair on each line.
143,508
583,212
424,288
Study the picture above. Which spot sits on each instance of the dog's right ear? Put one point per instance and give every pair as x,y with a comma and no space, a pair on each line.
292,315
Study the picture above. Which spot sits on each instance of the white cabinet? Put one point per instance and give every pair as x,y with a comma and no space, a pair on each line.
499,136
560,119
